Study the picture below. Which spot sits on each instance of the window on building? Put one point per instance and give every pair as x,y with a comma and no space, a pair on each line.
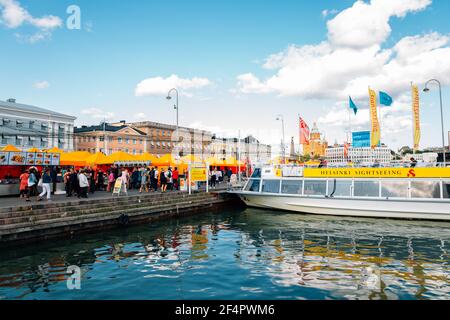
44,142
134,151
119,140
31,125
101,138
127,150
141,141
134,141
4,139
19,124
426,189
315,187
44,126
110,139
127,140
366,189
110,151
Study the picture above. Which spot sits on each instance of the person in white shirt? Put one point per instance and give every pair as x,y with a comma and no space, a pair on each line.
84,184
125,179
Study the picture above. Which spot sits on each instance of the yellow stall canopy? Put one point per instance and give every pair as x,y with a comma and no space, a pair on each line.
10,148
118,157
33,150
147,157
167,161
95,159
54,150
77,158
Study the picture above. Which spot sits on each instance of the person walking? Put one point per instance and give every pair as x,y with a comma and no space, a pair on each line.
163,181
169,179
84,184
125,180
24,184
67,183
46,182
175,177
74,183
144,178
213,179
111,181
32,183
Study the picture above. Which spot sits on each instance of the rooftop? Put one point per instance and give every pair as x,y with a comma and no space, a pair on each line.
12,104
106,127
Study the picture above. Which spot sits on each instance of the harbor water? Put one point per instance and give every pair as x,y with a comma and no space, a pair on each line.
243,254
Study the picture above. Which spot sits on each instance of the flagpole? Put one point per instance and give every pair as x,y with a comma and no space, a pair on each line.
412,119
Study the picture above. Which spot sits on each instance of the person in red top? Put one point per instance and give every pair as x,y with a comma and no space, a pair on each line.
175,176
23,184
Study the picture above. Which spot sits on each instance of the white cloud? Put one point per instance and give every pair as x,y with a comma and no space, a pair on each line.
41,85
97,113
353,57
13,16
160,85
326,13
140,116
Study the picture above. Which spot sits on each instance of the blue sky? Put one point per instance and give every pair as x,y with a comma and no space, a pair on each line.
94,72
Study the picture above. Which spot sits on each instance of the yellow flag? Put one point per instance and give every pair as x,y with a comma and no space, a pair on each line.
416,116
375,135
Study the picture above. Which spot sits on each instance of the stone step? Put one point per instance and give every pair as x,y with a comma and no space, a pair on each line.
67,221
81,211
75,201
94,203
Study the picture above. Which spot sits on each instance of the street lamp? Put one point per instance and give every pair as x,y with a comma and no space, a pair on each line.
426,89
176,102
281,118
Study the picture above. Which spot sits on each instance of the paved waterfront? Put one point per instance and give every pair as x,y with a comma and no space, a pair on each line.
6,202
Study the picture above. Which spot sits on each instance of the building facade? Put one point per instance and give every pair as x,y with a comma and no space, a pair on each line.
365,155
26,126
162,138
249,149
316,146
108,139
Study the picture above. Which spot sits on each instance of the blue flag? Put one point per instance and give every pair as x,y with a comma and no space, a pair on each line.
385,99
353,106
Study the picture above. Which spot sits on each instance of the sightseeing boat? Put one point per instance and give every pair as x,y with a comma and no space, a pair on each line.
402,193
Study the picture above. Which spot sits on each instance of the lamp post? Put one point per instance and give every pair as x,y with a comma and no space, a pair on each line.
281,118
176,102
426,89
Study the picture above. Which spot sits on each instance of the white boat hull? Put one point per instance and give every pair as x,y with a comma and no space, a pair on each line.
356,207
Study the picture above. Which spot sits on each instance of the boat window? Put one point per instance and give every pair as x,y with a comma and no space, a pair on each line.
315,187
271,186
367,189
394,189
292,186
343,188
446,185
256,173
426,189
253,185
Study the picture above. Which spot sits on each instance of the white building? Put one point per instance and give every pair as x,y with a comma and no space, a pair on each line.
422,157
248,149
367,155
26,126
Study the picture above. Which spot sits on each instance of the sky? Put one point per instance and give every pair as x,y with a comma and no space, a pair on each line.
237,64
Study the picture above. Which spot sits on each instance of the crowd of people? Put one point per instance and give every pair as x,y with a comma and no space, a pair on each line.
83,182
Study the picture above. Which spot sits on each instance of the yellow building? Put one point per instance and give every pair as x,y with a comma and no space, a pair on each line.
316,146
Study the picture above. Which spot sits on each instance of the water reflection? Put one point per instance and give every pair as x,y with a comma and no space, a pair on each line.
241,255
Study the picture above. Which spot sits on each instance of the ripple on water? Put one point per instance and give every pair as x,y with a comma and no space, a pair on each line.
240,255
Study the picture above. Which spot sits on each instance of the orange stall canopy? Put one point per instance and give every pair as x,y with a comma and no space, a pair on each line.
118,157
10,148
